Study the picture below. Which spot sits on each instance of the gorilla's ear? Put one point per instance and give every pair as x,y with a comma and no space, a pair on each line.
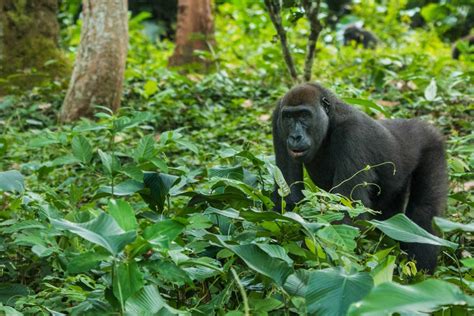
326,104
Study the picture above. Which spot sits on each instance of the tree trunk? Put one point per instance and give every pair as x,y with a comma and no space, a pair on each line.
100,63
29,51
195,31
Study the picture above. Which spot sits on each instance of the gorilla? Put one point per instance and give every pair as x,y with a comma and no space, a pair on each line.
360,36
334,142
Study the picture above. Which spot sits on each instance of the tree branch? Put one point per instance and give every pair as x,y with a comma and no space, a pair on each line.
274,9
311,9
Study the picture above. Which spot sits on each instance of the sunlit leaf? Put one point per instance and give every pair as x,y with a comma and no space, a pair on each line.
424,297
400,227
12,181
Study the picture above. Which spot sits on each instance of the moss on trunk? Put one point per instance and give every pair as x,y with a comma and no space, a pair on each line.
29,51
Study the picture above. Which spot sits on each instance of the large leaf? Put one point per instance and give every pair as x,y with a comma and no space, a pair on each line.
10,292
424,297
127,187
145,150
258,260
158,186
85,262
123,214
162,233
448,226
127,280
12,181
332,291
400,227
81,149
102,230
368,106
148,301
430,91
342,236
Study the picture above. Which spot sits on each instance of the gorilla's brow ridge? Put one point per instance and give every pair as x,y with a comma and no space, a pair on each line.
302,94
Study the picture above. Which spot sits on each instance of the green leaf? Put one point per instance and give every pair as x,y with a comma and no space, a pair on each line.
276,251
383,272
158,185
151,87
12,181
81,149
85,262
341,235
145,150
331,291
236,172
10,292
123,214
127,187
430,91
284,189
164,232
148,301
448,226
400,227
110,163
127,280
102,230
259,260
424,297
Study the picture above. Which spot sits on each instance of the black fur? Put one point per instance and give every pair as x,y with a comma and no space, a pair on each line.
360,36
334,140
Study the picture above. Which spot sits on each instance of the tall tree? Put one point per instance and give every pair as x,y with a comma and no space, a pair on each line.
29,51
100,63
195,31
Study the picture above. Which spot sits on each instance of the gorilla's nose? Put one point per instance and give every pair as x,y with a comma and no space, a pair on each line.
294,140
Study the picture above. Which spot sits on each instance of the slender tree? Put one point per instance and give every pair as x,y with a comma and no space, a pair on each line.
195,31
100,63
311,9
29,50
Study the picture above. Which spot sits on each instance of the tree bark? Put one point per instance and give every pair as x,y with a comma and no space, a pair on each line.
29,50
100,63
195,31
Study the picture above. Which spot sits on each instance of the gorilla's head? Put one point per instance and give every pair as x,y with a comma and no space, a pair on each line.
304,120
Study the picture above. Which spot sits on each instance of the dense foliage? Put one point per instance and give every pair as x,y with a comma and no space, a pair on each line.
164,208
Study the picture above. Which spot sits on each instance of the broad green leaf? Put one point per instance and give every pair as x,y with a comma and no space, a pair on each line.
296,284
12,181
127,280
341,235
150,88
236,172
284,188
430,91
383,272
400,227
102,230
145,150
158,186
123,214
276,251
128,187
448,226
331,291
164,232
258,260
110,163
85,262
10,292
81,149
148,301
9,311
424,297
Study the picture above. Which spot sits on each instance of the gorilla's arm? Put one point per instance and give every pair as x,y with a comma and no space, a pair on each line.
292,170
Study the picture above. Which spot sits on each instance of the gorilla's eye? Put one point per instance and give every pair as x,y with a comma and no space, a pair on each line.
326,104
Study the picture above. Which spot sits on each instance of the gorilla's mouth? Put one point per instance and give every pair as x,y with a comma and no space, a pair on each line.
297,153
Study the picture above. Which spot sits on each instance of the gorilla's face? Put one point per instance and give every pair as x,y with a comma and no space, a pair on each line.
304,128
